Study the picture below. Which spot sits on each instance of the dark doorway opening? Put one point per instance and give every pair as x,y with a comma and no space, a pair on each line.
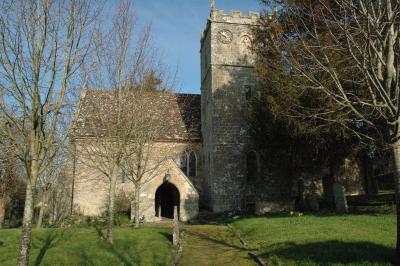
167,196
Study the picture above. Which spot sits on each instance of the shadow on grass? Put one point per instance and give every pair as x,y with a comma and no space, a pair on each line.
86,258
330,252
223,241
321,214
207,217
118,252
50,241
225,218
99,232
167,235
373,210
122,256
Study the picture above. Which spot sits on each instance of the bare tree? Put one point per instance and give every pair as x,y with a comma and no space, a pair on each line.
49,182
3,186
143,155
140,166
124,69
8,179
42,46
346,52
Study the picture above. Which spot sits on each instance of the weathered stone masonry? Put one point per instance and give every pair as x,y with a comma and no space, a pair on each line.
226,75
214,125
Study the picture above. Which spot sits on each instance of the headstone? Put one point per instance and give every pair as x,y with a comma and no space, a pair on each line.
340,198
313,203
175,234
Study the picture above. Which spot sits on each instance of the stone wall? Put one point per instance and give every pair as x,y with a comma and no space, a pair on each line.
189,197
228,81
227,75
91,185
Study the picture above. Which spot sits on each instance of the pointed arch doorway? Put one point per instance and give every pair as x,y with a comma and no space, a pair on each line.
167,196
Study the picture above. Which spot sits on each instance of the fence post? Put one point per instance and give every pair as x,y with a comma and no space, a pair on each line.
175,235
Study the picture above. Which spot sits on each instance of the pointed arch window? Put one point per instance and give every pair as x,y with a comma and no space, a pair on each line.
192,164
188,163
252,166
184,163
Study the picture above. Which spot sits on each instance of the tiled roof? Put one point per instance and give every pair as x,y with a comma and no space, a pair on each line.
178,114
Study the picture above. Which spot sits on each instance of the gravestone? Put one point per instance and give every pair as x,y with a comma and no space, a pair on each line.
313,203
340,198
312,199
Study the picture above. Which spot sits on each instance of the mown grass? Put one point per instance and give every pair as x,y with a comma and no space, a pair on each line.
86,246
322,239
213,244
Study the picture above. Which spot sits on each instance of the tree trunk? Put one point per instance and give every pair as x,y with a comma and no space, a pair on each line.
327,181
51,218
132,217
42,209
111,202
23,258
367,171
137,206
2,210
396,158
40,217
11,218
52,214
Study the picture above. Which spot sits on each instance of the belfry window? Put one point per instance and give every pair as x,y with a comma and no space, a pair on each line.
252,166
192,164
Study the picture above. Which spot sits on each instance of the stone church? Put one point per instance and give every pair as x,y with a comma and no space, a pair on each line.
215,164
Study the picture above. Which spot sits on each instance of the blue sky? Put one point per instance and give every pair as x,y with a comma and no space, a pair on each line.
177,25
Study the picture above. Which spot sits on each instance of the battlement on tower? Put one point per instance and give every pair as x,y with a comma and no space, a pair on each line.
233,17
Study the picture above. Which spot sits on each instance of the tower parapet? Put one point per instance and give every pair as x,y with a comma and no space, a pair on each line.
236,16
233,17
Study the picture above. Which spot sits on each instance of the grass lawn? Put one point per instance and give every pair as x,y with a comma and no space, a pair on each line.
213,245
84,246
322,240
363,239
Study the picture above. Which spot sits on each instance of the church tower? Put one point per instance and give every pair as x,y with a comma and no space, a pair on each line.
227,82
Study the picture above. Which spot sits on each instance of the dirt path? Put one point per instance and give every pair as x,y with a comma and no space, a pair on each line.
212,245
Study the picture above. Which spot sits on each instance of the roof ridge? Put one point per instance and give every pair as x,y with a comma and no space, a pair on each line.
150,91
